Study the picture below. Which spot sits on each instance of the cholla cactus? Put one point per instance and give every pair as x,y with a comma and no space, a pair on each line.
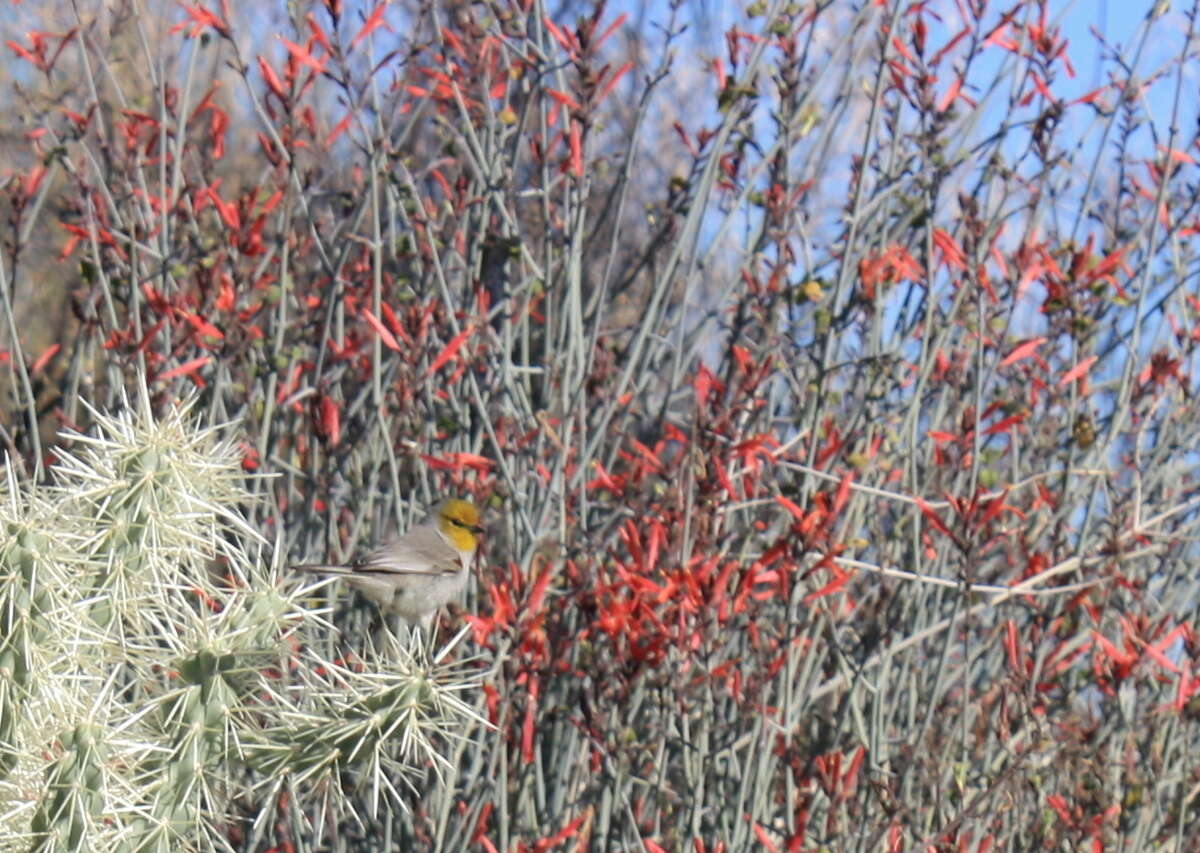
150,672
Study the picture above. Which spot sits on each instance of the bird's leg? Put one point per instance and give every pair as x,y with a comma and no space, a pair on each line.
385,623
428,623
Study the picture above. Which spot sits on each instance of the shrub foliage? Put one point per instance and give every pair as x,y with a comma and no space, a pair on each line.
826,383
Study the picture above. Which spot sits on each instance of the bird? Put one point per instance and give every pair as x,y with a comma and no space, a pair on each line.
417,573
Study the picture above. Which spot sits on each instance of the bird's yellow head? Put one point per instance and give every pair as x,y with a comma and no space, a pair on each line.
459,522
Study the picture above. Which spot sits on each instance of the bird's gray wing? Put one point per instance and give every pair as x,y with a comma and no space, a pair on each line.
421,551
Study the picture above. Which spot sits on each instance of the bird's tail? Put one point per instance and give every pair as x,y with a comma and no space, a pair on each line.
322,569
